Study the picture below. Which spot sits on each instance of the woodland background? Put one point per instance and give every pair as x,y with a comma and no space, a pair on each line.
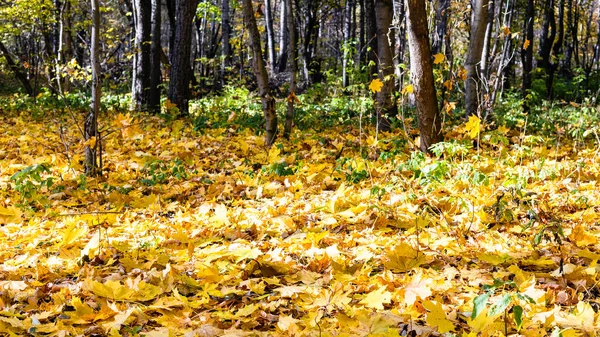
299,168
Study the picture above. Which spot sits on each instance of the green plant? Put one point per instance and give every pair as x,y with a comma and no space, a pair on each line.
511,301
30,182
158,171
354,172
280,169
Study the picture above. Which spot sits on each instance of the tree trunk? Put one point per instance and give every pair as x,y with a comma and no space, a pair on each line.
226,33
371,37
311,35
386,101
92,155
65,44
441,19
270,34
262,77
155,53
558,45
293,59
473,84
346,46
283,37
505,57
421,73
527,54
180,75
547,40
171,5
19,73
140,87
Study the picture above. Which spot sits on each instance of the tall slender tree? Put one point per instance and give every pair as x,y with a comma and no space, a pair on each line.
140,87
90,128
421,74
155,53
270,34
473,83
293,60
386,101
180,75
225,33
347,33
262,77
283,37
527,54
546,42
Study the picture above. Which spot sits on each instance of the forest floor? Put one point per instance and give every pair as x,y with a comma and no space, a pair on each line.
333,233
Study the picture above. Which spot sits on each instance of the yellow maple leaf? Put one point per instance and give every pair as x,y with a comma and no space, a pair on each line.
473,126
581,237
438,58
72,233
376,299
10,214
403,258
376,85
408,89
526,44
437,317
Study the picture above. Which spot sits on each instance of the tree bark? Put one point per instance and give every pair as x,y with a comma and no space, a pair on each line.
441,19
180,75
65,43
386,102
293,59
505,57
346,47
547,40
270,34
140,87
226,33
421,73
371,37
17,71
262,77
527,54
91,119
155,53
283,37
473,83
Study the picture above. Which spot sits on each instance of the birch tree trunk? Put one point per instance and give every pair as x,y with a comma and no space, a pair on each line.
283,37
140,84
262,77
270,34
90,127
